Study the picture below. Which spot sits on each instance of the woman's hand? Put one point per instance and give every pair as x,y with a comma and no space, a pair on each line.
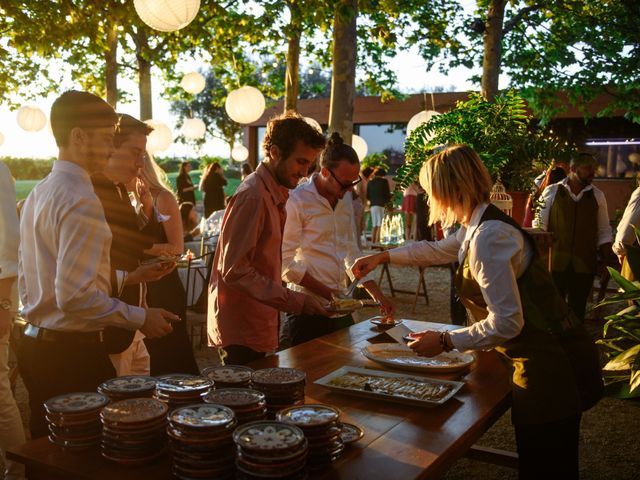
144,194
365,265
426,344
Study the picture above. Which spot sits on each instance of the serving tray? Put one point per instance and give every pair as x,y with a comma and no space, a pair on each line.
447,389
398,356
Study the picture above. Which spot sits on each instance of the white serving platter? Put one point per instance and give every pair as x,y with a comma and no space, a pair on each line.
399,356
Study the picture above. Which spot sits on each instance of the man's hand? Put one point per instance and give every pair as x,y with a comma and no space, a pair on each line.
157,323
5,322
149,273
425,344
387,307
365,265
313,306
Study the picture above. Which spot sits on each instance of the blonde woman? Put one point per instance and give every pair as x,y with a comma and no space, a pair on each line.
172,353
516,309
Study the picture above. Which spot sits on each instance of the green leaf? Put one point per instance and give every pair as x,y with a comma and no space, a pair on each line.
625,284
624,361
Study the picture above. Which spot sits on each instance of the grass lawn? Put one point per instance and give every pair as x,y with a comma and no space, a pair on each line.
23,187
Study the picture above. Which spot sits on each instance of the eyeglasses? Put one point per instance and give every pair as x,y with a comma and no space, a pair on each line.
345,186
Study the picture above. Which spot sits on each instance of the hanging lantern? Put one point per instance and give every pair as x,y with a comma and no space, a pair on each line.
167,15
360,146
193,83
160,139
314,123
240,153
634,158
420,118
500,198
193,128
31,119
245,105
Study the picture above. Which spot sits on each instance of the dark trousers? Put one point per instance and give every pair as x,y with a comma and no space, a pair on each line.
240,355
49,369
549,451
303,328
575,288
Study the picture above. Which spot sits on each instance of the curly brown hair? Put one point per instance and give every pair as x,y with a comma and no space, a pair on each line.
285,130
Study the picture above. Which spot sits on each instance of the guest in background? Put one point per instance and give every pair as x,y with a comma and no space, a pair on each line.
184,185
409,199
626,235
11,431
554,174
246,170
190,221
173,353
378,194
361,190
212,185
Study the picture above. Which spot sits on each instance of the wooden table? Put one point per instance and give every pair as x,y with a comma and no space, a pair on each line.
400,442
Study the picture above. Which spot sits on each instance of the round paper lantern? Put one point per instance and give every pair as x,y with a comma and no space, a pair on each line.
31,119
360,146
245,105
193,82
313,123
420,118
167,15
634,158
160,139
240,153
193,128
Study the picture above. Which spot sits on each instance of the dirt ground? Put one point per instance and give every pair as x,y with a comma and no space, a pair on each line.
609,440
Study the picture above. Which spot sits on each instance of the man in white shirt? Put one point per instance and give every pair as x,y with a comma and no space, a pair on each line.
319,241
576,212
64,268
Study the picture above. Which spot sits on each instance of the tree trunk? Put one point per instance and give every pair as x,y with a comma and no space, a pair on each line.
144,87
292,75
111,65
492,39
343,80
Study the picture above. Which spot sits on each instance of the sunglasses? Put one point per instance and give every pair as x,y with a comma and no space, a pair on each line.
345,186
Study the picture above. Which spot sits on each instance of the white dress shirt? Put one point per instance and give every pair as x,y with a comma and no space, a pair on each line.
10,236
549,195
498,256
625,234
64,268
318,239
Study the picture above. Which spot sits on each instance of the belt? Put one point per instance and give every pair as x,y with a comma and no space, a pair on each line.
47,335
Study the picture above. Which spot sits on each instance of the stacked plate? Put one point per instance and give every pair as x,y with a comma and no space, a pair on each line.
134,430
132,386
248,405
270,450
74,419
322,428
229,376
201,442
283,387
178,390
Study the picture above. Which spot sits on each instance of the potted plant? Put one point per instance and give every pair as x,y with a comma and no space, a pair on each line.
503,135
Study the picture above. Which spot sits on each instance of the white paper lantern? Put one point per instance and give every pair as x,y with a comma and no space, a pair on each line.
420,118
160,139
360,146
314,123
193,128
1,138
245,105
240,153
167,15
31,119
193,82
634,158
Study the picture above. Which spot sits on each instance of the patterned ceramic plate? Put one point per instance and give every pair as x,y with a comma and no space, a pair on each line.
268,436
182,383
202,416
129,384
278,376
134,410
228,374
76,402
381,322
351,433
309,415
235,397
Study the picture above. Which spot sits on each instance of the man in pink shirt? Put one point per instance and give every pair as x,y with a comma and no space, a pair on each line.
246,291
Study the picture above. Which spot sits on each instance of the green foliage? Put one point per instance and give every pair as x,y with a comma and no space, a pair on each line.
500,132
28,168
375,160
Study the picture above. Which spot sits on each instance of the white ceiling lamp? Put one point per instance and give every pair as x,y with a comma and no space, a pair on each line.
167,15
193,83
360,146
160,139
240,153
420,118
193,128
31,119
245,104
314,123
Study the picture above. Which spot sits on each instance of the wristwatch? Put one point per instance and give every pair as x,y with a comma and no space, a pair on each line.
5,304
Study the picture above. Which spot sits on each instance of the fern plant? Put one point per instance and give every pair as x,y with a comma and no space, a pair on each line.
498,131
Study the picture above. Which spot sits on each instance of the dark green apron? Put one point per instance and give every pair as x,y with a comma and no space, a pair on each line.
555,364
